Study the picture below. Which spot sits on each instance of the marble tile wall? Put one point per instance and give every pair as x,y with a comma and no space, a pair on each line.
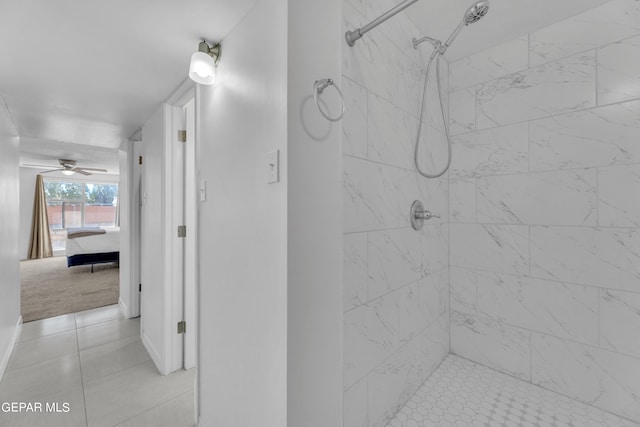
544,207
396,279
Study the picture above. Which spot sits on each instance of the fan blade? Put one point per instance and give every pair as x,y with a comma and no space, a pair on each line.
29,165
92,169
51,170
82,172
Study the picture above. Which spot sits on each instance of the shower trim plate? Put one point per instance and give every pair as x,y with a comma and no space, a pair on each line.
418,214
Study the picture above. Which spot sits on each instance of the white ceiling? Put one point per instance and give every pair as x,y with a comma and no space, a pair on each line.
90,72
507,19
80,76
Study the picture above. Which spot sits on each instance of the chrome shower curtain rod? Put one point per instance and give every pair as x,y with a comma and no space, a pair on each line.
355,35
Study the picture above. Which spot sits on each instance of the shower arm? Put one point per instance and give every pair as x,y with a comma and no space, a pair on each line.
438,46
434,42
355,35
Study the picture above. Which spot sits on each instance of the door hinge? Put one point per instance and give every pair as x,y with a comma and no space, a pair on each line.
182,327
182,231
182,136
140,287
139,160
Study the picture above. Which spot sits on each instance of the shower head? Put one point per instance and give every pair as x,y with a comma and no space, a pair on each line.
475,12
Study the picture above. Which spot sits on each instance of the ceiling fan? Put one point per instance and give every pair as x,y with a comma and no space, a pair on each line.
69,168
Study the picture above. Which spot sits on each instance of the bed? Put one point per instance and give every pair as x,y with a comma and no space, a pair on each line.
90,246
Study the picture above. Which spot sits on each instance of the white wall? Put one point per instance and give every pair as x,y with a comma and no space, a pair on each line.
396,322
314,219
545,246
27,192
242,225
9,220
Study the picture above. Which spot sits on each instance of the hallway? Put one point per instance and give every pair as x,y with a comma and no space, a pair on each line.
95,362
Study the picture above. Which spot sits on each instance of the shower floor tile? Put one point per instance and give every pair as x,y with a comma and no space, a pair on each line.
463,393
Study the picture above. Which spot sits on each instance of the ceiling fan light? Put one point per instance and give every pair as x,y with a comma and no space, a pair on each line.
202,69
67,172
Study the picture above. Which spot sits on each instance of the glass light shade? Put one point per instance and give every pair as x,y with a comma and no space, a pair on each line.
67,172
202,69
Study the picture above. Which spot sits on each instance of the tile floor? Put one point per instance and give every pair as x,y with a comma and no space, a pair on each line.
94,361
462,393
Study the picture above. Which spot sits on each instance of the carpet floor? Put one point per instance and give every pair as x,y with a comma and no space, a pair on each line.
49,288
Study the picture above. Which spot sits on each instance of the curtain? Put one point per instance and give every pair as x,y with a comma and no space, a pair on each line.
40,241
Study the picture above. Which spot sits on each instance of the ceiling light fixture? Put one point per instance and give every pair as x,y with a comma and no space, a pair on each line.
203,63
67,172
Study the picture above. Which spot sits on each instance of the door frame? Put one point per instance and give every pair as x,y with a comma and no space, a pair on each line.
134,151
186,306
170,354
130,206
183,293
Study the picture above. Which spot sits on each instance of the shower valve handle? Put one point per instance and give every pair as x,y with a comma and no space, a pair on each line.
418,214
425,214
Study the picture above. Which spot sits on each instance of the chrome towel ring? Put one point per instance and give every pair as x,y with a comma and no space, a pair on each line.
318,87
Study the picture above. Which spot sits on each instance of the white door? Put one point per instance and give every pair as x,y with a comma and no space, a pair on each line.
185,212
152,240
168,260
136,238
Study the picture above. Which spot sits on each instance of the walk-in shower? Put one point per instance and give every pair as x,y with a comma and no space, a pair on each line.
473,14
520,306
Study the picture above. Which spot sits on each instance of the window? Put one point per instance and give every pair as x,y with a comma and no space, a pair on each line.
100,206
79,204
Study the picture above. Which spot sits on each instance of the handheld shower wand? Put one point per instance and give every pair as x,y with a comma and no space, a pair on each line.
473,14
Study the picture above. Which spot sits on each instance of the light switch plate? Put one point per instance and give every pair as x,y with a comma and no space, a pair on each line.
273,167
203,190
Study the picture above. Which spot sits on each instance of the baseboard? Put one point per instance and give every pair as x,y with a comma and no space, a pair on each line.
123,308
153,353
12,345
